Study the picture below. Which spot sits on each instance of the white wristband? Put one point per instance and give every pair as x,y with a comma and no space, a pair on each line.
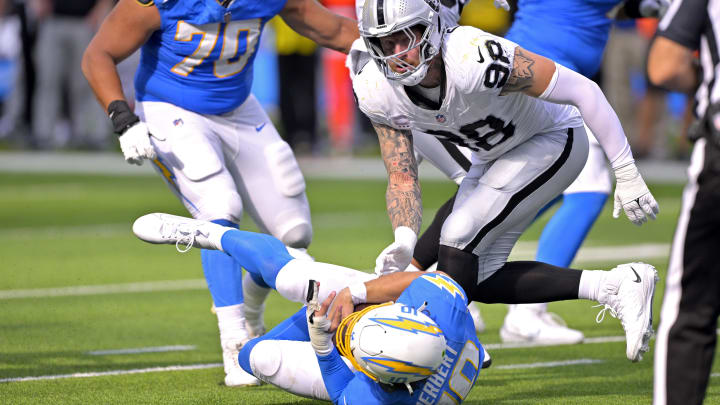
358,292
405,236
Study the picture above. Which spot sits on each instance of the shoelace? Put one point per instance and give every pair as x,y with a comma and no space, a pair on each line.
185,236
601,315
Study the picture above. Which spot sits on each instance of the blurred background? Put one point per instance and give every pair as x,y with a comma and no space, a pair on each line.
46,105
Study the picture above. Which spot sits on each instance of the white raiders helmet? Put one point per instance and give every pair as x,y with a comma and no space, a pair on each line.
381,18
392,343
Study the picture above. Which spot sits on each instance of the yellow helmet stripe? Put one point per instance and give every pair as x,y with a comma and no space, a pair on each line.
396,366
410,325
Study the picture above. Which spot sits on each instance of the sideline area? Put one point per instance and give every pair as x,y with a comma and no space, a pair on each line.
110,163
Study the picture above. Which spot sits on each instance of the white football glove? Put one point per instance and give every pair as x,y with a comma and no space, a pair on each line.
398,255
654,8
135,144
318,325
502,4
633,196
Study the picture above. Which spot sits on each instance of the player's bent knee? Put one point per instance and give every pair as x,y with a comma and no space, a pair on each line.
458,228
226,205
285,172
299,236
265,359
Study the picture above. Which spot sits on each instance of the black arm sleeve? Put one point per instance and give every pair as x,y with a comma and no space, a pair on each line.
684,21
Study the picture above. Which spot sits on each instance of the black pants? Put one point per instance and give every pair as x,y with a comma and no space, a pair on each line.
687,335
297,98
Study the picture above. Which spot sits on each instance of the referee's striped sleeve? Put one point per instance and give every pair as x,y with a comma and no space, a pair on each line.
685,21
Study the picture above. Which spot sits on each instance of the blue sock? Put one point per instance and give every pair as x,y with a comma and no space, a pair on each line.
293,328
260,254
223,274
562,236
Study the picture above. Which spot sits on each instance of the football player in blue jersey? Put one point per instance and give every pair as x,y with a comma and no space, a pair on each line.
378,344
205,133
430,311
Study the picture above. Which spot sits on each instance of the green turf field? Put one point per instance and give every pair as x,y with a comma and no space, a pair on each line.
62,232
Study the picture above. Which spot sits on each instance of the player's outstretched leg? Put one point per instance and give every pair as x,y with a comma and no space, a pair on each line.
261,254
627,293
183,232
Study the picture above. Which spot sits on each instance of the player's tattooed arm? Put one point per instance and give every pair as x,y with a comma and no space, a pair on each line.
531,73
404,203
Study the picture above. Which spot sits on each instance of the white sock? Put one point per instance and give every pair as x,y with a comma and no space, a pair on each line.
590,283
231,322
254,297
215,237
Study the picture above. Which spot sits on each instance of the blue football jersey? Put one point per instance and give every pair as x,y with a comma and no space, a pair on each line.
570,32
451,383
201,59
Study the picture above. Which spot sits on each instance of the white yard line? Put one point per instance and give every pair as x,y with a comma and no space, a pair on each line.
524,250
590,254
150,286
116,372
595,340
548,364
152,349
213,365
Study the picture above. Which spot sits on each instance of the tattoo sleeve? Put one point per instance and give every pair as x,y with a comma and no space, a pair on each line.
404,203
522,75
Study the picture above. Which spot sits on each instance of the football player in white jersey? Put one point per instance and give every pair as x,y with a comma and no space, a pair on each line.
514,110
530,322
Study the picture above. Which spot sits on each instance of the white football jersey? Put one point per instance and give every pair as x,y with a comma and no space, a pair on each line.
471,111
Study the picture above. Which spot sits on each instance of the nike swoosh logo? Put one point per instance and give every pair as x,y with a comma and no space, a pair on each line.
260,127
637,276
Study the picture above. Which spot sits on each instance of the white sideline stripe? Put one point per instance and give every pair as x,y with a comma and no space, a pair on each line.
549,364
523,250
595,340
116,372
213,365
152,349
173,285
526,250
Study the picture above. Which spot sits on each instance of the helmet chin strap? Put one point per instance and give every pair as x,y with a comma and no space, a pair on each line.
415,77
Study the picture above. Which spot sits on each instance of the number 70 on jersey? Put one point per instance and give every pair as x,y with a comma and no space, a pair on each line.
237,42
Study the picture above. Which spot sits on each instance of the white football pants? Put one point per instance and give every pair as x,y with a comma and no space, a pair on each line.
218,165
498,200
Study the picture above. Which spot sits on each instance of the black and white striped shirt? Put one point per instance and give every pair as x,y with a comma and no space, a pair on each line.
694,24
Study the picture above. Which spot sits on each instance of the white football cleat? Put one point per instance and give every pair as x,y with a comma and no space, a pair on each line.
628,295
183,232
525,324
487,360
476,317
235,376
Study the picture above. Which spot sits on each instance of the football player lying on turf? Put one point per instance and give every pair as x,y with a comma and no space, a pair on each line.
380,341
626,291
